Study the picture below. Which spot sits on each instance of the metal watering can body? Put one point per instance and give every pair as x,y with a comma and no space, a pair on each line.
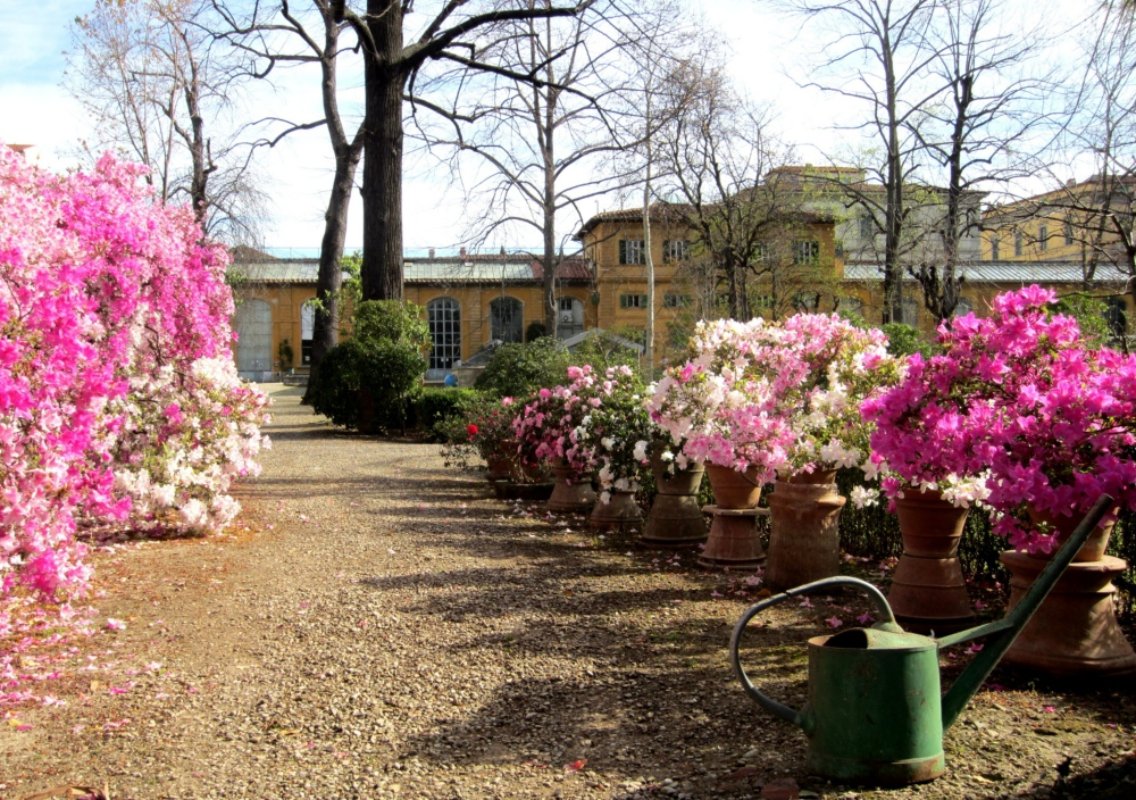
875,712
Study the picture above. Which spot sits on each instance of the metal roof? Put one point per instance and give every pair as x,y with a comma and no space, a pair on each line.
1005,272
450,270
301,270
473,269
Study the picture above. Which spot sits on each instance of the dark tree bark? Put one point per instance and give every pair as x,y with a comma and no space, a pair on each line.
389,74
386,74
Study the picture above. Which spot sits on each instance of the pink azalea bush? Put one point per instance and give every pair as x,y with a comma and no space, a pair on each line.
618,431
547,427
115,356
778,397
1018,396
723,403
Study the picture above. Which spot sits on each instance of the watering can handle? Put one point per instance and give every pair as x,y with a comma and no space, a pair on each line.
768,703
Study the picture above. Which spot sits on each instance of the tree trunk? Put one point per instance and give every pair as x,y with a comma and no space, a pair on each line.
382,155
329,279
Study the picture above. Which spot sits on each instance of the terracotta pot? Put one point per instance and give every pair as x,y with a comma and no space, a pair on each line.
804,537
571,493
734,539
733,489
680,482
675,519
928,592
500,465
1074,633
1095,546
621,512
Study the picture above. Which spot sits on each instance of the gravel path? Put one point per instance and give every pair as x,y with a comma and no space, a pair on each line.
380,627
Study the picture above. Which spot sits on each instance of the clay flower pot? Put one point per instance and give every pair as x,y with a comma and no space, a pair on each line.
804,537
928,592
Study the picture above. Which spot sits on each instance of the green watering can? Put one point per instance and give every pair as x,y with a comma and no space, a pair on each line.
874,712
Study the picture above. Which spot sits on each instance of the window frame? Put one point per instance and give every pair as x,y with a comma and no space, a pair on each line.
632,252
676,251
803,259
443,319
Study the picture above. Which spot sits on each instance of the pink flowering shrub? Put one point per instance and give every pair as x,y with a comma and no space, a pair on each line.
1020,397
547,427
184,440
102,292
779,397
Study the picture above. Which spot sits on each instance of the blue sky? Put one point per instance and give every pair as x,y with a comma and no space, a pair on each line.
36,109
33,106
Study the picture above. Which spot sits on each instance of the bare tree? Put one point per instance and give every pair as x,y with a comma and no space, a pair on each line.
161,90
886,42
276,36
658,44
536,146
716,153
391,65
1100,212
972,135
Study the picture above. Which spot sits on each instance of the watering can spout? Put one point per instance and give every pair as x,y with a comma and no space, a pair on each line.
1003,632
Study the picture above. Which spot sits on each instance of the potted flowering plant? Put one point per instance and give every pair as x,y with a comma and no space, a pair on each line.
548,424
618,429
839,365
1021,396
722,404
548,429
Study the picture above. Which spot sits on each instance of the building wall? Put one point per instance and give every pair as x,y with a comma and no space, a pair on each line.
975,296
286,302
1060,225
622,287
474,306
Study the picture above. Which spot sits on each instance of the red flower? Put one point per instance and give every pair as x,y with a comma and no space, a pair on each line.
471,429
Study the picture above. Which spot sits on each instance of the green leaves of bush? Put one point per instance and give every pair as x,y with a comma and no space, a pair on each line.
363,383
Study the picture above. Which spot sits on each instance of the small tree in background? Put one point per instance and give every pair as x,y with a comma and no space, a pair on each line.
365,382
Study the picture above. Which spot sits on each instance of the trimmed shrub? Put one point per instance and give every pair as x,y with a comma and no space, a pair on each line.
365,383
516,369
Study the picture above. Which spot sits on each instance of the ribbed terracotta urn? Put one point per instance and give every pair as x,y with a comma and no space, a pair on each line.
734,540
571,493
928,592
621,512
675,518
804,535
1075,632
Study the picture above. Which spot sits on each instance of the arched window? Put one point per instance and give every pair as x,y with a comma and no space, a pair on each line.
254,339
444,318
506,319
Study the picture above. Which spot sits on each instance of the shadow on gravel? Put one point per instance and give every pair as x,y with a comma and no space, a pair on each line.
639,712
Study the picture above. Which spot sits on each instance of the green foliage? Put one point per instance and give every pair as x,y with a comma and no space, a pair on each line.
1091,314
391,320
605,350
516,369
434,406
903,340
365,382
